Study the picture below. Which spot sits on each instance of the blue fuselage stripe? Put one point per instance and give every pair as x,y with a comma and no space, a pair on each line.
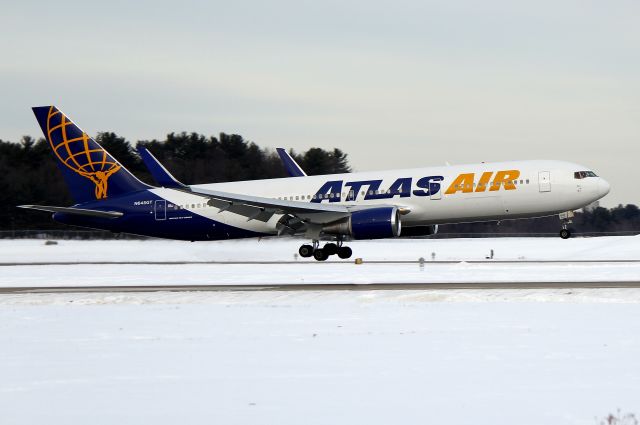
153,217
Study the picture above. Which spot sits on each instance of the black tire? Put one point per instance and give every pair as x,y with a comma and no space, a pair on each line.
565,233
306,251
320,255
330,248
344,252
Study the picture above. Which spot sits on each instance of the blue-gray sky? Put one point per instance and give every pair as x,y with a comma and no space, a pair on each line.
394,84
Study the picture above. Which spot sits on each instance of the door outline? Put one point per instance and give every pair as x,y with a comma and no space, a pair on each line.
544,181
160,208
435,186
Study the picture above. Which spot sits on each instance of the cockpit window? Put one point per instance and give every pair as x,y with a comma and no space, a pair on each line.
583,174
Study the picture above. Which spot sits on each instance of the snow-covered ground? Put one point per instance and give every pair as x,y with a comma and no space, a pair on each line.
284,249
517,356
307,271
333,357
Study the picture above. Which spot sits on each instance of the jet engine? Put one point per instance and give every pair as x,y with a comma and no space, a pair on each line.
371,223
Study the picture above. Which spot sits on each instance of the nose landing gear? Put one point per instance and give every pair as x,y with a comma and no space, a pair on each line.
566,219
322,254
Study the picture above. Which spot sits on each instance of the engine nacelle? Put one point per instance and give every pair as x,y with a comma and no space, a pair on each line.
372,223
420,230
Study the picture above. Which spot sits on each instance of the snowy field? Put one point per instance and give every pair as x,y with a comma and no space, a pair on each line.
453,262
283,249
516,356
333,357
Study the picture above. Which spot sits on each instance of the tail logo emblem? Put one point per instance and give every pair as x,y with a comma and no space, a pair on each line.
80,154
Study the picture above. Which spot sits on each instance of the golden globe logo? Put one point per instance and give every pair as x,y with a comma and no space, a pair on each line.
80,154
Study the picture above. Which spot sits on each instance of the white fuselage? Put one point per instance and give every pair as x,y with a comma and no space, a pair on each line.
433,195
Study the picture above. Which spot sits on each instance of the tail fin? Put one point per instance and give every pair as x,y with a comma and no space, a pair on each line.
90,172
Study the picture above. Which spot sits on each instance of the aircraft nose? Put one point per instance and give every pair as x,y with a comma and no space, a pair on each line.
603,187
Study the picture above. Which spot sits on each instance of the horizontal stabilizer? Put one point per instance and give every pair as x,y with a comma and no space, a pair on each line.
160,174
77,211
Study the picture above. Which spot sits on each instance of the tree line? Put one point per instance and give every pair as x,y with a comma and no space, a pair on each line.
593,219
29,175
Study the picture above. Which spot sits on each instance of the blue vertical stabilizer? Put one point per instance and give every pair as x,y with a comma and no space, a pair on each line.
90,172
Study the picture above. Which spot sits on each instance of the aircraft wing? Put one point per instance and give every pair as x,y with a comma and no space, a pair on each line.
259,208
292,167
160,174
71,210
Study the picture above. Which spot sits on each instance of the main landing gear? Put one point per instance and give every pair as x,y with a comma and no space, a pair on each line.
329,249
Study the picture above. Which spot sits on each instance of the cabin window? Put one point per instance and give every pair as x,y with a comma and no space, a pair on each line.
527,181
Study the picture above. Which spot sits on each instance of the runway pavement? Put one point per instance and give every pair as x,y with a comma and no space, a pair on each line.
264,284
313,287
309,262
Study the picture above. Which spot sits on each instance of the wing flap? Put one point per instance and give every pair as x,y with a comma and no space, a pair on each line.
251,212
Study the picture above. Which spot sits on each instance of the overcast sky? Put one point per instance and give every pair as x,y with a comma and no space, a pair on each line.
394,84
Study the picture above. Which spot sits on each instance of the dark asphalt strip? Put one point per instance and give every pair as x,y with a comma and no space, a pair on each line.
317,287
311,262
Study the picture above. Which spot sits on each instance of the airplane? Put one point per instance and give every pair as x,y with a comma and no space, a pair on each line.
335,208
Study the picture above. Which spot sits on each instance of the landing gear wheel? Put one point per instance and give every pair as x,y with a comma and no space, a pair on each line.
565,233
305,251
344,252
330,248
320,255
